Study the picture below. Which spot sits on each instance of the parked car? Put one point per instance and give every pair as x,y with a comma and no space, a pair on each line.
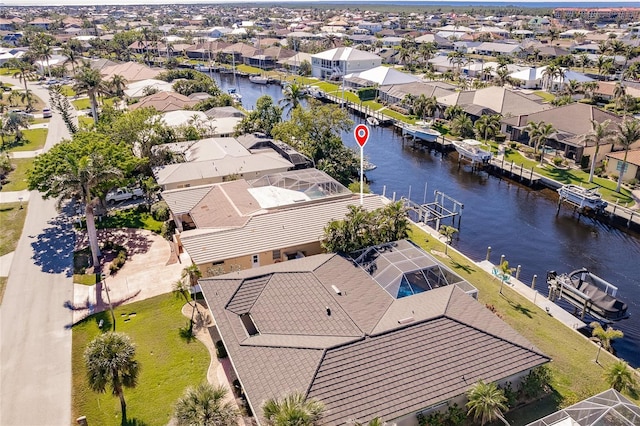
123,194
46,113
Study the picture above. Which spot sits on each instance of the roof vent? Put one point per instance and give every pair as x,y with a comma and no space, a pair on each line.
406,320
337,290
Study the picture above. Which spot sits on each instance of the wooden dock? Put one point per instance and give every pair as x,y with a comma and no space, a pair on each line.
514,171
363,110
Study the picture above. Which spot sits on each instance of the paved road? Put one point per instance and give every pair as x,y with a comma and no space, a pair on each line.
35,341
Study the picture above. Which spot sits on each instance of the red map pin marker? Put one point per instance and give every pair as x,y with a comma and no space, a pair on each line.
361,133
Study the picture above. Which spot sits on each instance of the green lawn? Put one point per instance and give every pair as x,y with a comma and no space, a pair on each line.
168,363
249,69
17,179
33,139
86,279
68,90
37,104
548,97
3,285
130,218
575,374
606,187
86,121
12,219
81,104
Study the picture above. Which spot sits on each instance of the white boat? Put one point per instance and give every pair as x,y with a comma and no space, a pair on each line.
234,94
259,79
372,121
367,166
470,149
582,197
423,131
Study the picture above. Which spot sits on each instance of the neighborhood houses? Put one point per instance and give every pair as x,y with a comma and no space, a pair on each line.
182,200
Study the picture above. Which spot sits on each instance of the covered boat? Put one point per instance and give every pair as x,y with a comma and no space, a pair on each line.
582,197
471,149
588,292
259,79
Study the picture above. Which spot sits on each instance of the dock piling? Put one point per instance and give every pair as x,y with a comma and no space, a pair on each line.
488,252
502,256
518,272
533,281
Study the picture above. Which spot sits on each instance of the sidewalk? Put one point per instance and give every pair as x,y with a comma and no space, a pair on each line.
15,196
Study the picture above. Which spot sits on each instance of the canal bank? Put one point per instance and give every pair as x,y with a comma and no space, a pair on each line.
519,222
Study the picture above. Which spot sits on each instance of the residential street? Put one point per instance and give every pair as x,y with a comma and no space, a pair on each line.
35,334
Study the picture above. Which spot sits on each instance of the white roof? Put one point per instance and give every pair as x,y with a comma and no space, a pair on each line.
384,76
180,117
272,196
456,29
345,54
136,89
532,74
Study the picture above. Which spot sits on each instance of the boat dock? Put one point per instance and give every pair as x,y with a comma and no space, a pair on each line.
363,110
499,166
538,299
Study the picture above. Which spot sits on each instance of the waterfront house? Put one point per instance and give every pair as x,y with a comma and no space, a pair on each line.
390,335
165,102
378,76
572,122
130,71
338,62
215,160
395,93
614,164
138,89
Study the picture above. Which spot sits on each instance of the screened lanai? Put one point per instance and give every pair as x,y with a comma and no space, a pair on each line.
313,183
608,408
403,269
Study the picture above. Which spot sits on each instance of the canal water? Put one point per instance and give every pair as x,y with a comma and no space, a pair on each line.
514,220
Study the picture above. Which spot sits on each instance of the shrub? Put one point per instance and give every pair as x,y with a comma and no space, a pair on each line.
160,211
500,137
557,161
168,229
536,383
513,145
585,162
633,182
118,262
221,351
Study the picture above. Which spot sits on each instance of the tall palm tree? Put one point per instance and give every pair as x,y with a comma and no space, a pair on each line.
584,61
117,85
571,88
89,81
204,405
24,69
619,376
602,63
628,133
589,88
600,133
293,409
44,52
544,133
110,362
72,58
486,402
13,123
427,50
462,126
539,132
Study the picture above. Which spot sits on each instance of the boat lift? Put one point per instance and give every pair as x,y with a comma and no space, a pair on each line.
443,207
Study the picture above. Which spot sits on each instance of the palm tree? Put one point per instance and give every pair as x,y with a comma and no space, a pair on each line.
584,61
44,51
205,405
462,126
28,100
89,81
605,336
24,69
293,409
602,63
486,402
600,133
619,91
72,58
13,123
571,88
488,125
539,132
109,360
117,85
448,233
427,50
628,133
502,76
544,133
589,88
619,376
293,93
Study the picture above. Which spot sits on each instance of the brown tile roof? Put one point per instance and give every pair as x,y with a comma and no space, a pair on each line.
225,205
633,157
358,371
165,102
131,71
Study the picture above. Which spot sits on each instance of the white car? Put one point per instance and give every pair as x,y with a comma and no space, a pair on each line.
123,194
46,113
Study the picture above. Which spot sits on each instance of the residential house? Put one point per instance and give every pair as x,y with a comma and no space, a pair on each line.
218,32
496,49
572,122
395,94
615,162
240,51
131,71
215,160
371,27
7,25
42,23
493,100
338,62
293,63
388,335
379,76
537,78
164,102
205,50
441,42
268,59
139,89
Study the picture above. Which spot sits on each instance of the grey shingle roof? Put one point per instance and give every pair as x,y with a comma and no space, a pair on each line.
184,199
361,361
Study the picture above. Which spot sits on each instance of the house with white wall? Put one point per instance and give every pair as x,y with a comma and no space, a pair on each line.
335,63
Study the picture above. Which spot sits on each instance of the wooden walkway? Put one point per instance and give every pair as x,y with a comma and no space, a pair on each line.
514,171
362,109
